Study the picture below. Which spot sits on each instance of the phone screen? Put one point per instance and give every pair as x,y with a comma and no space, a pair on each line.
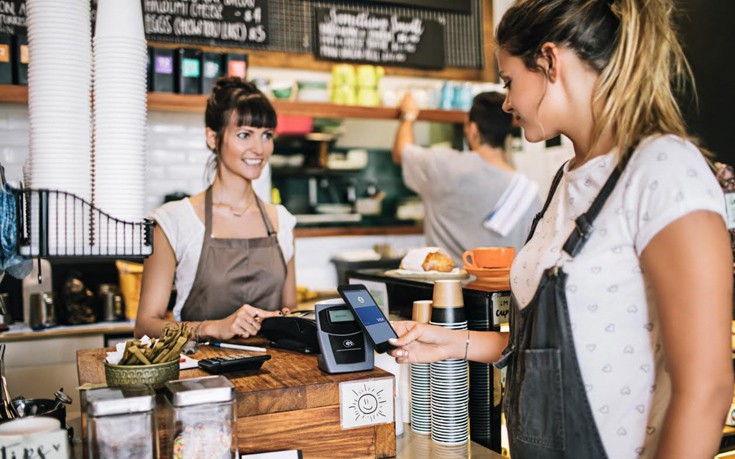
369,315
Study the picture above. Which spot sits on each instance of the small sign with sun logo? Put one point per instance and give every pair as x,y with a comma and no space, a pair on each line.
366,402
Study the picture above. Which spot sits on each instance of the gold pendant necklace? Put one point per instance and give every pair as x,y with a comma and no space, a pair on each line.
232,209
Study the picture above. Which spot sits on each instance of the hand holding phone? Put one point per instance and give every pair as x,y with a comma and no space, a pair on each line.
371,319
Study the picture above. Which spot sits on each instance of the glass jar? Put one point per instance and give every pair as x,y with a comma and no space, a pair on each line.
121,423
202,418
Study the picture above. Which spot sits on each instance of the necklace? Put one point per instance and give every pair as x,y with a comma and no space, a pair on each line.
232,210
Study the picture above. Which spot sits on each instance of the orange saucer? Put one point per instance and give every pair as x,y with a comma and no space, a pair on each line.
492,284
488,272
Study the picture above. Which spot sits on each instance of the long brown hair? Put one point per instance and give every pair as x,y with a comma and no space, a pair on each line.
232,96
632,44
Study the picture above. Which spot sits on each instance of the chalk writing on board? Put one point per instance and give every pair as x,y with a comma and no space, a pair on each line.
218,22
13,16
376,38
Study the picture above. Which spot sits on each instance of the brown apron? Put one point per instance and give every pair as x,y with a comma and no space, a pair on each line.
233,272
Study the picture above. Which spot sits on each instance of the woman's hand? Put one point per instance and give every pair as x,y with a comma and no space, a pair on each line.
243,323
421,343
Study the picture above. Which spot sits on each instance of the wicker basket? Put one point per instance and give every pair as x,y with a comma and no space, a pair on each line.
156,375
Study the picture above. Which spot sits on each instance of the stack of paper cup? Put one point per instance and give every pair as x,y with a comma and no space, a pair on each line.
449,379
59,83
420,411
120,57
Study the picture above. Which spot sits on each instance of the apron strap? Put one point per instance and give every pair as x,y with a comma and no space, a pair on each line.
552,190
208,212
266,220
583,224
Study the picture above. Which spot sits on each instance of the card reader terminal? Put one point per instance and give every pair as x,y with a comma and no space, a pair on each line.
344,346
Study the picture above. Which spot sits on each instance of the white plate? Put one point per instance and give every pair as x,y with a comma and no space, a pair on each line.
456,273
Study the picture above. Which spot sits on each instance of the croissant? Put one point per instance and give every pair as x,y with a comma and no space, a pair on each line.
427,259
437,261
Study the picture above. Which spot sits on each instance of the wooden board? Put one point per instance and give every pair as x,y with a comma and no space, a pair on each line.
288,404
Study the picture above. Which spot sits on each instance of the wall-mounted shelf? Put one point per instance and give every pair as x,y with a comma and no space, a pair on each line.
195,103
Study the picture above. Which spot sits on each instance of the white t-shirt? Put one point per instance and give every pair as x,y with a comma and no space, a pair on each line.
185,233
612,314
460,190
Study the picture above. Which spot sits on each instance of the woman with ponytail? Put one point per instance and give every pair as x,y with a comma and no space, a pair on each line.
622,296
229,254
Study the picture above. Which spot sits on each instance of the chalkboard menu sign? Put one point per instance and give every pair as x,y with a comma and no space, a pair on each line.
13,17
362,36
234,23
463,6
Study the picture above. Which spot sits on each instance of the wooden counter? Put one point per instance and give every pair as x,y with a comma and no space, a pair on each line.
288,404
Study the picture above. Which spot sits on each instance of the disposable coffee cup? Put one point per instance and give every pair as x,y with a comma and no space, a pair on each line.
422,311
448,305
448,294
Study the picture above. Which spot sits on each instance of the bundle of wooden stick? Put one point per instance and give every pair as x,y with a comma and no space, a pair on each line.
161,350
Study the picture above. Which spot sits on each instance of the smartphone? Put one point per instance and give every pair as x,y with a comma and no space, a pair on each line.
369,316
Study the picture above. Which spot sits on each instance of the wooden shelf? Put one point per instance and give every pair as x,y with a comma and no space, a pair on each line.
166,102
196,103
358,231
12,94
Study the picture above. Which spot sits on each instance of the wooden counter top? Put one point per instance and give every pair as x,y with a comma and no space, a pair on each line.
288,404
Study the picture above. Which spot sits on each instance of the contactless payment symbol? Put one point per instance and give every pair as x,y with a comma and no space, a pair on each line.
365,403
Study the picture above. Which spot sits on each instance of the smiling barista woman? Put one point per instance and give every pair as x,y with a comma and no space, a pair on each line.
229,253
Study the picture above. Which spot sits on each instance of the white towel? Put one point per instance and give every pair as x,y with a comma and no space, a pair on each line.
512,205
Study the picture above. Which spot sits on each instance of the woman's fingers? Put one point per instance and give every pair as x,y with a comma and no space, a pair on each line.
249,329
411,334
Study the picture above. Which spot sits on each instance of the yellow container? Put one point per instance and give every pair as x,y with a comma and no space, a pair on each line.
131,277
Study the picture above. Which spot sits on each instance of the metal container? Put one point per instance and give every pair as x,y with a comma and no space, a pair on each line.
43,311
202,418
121,422
111,303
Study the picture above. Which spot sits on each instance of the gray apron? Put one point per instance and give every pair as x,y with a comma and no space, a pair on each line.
233,272
546,408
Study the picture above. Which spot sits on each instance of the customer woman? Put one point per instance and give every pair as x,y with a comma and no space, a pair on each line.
620,325
229,253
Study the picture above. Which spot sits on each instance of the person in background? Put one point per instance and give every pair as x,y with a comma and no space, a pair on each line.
230,255
472,199
620,321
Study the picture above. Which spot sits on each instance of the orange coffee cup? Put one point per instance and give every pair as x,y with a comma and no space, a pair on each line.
489,257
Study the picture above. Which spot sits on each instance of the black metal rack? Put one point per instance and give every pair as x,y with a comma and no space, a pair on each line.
59,224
